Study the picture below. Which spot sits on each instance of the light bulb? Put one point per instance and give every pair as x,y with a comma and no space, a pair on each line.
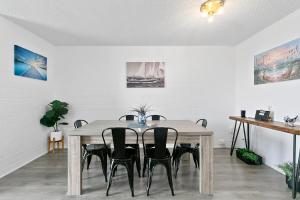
203,14
220,11
210,19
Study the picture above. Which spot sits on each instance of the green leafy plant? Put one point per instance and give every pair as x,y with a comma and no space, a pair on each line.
249,156
141,110
287,169
57,110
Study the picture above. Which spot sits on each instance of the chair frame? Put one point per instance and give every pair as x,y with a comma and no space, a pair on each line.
128,163
158,117
151,162
126,117
87,154
179,151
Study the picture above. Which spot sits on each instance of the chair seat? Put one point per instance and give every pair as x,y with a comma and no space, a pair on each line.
129,153
151,154
93,147
188,146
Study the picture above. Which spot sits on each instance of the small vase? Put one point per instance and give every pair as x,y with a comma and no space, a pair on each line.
142,119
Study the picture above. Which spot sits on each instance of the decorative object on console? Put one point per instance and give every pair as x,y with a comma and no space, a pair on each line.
145,74
142,112
278,64
56,111
29,64
262,115
271,115
290,121
243,113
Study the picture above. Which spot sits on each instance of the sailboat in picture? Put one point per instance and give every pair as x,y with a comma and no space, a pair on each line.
145,74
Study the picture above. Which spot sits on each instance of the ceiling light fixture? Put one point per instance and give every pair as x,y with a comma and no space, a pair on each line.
210,8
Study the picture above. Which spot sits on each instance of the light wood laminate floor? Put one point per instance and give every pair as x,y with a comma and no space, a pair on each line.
46,179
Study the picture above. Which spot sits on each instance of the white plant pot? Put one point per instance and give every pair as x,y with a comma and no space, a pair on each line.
56,136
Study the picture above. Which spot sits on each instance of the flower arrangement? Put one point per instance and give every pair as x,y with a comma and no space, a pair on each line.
142,110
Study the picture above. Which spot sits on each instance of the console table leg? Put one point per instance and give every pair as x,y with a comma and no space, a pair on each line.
294,168
234,138
248,135
233,134
245,136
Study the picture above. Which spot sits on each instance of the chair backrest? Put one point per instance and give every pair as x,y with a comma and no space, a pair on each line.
79,123
160,139
119,140
204,122
156,117
128,117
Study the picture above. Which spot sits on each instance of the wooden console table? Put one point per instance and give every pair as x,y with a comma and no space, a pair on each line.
278,126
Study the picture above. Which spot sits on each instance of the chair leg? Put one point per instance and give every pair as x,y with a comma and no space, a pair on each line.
169,173
177,163
89,159
130,173
138,162
114,171
113,166
150,174
103,164
145,166
195,159
83,160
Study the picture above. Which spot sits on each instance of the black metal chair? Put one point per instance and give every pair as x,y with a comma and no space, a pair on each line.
159,154
93,149
153,118
156,117
121,155
134,146
187,148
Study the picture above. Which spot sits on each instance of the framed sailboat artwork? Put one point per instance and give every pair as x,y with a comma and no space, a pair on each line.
145,74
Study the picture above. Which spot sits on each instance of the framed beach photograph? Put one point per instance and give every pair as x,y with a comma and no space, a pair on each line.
145,74
29,64
281,63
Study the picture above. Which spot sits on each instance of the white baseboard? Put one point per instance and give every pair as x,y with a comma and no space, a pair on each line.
22,165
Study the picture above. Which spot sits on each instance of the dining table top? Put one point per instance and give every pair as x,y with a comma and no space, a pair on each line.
185,127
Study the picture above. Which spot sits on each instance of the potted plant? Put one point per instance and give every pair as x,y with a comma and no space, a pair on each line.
56,111
248,156
142,112
287,169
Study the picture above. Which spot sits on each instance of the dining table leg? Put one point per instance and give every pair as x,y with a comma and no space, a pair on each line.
206,165
74,165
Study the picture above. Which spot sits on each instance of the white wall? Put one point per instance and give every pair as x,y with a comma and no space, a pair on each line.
199,83
22,100
284,97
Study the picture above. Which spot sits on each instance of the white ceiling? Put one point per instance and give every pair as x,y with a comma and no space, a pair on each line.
143,22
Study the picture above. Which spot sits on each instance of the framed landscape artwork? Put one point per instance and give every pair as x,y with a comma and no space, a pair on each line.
29,64
145,74
278,64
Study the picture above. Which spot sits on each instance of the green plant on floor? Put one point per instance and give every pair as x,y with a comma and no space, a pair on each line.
287,169
57,110
249,155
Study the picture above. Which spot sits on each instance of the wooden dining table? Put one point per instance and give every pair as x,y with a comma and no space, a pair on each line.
188,132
